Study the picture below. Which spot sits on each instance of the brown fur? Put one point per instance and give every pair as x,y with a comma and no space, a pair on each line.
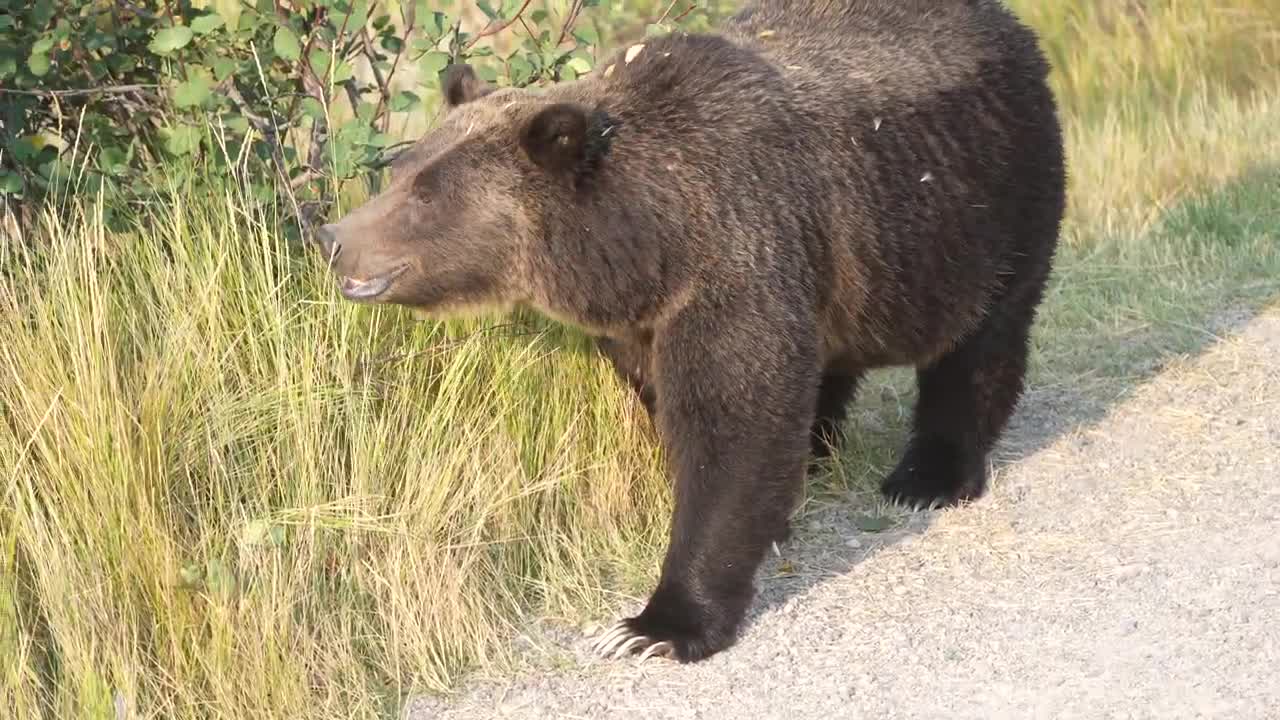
749,221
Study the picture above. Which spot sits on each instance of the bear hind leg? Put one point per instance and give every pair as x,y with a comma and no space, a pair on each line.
965,401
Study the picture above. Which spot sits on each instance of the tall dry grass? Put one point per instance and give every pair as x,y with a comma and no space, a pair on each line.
227,493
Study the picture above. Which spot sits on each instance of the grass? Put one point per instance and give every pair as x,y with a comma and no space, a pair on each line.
227,493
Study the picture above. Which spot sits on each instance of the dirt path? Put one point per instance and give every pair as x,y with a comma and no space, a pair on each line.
1127,568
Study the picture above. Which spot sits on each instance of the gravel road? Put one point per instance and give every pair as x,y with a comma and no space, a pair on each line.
1126,565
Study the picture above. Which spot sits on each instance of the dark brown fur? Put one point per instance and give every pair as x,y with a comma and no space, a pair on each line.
750,221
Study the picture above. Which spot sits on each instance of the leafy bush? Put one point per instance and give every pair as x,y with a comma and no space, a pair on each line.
297,95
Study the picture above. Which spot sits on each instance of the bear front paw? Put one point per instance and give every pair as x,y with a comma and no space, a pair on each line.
648,638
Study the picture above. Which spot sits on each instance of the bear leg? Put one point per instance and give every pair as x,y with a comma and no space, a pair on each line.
837,389
738,399
965,401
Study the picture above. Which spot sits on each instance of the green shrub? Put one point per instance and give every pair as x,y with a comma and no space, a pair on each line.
298,95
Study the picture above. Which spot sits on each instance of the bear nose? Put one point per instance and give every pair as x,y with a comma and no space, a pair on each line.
328,241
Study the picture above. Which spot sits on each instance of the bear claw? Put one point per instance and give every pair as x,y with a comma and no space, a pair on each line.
620,640
662,649
913,505
609,637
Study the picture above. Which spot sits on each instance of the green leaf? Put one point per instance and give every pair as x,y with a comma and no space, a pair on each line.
519,70
190,575
343,72
349,18
237,124
537,16
206,24
43,45
568,74
97,69
587,35
113,160
319,61
392,44
24,149
183,140
551,58
286,44
192,92
10,183
170,39
313,109
487,9
38,65
223,67
439,23
404,101
98,41
422,45
262,192
6,22
249,22
432,63
55,171
218,578
8,65
42,13
655,30
579,65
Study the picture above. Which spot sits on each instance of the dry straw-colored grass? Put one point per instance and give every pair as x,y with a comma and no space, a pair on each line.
229,494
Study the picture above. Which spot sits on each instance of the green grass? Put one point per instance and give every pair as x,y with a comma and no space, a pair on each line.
228,493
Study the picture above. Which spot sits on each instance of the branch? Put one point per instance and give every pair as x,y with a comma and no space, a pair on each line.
105,89
304,177
532,36
666,12
569,20
384,90
681,16
270,132
389,154
353,93
259,123
367,50
492,29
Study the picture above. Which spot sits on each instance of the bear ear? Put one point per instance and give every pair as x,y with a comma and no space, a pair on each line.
461,85
556,138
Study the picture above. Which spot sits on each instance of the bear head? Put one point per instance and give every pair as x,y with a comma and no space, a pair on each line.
454,227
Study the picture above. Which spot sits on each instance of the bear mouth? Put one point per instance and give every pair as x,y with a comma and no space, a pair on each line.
371,288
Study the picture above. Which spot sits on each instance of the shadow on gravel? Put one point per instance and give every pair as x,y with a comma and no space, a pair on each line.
1114,316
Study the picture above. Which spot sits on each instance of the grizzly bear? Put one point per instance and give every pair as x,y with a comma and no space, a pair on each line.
749,221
